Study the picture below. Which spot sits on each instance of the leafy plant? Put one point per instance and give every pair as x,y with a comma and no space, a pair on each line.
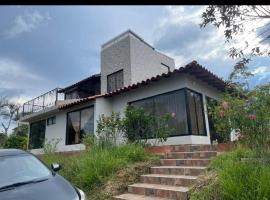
248,114
50,146
109,128
139,126
89,141
15,141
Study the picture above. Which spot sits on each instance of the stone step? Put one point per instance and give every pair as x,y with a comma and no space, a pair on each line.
155,190
185,162
195,154
137,197
178,170
164,179
191,148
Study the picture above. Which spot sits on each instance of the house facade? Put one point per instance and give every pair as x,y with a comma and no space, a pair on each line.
132,72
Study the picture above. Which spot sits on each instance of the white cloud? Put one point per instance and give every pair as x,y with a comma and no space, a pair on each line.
17,81
26,22
262,72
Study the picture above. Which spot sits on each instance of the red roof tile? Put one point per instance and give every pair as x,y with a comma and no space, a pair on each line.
192,68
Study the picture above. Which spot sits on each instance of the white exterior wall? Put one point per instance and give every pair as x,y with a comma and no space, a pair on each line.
146,62
138,60
119,102
58,130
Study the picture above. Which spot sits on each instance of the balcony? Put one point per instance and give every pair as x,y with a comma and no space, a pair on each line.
42,102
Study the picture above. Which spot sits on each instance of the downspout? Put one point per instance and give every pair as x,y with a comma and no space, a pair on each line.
169,69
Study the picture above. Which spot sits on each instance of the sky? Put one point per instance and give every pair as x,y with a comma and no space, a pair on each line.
44,47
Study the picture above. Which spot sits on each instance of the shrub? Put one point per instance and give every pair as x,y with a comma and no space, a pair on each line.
139,126
249,114
15,141
50,146
109,128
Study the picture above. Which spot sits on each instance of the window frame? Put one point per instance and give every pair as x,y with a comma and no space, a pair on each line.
31,133
203,112
52,121
80,109
121,70
187,110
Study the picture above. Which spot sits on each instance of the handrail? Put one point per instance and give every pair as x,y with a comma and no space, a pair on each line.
41,102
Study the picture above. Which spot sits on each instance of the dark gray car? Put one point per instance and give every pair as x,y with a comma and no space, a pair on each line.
24,177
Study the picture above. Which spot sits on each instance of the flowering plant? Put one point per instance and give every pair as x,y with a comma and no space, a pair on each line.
249,113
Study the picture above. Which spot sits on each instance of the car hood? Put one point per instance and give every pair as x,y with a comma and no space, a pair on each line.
55,188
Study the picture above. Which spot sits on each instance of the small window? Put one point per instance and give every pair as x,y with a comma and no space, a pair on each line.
115,81
51,121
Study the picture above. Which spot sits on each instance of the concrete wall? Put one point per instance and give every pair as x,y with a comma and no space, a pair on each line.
138,60
146,62
115,58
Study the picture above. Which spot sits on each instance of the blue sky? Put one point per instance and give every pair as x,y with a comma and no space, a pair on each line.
43,47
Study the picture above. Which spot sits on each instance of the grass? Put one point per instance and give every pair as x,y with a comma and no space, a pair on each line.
93,168
228,178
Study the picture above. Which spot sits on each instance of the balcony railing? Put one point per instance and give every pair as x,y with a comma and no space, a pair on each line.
42,102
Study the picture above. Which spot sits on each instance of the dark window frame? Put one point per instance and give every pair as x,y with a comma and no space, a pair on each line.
203,112
121,70
80,109
30,133
51,120
187,110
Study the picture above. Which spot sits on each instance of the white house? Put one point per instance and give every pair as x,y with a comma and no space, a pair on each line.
132,72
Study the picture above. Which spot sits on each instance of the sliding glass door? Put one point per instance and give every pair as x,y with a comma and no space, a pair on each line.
79,123
37,134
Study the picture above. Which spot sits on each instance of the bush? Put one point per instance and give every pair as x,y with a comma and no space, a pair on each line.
15,142
109,128
236,179
247,113
139,126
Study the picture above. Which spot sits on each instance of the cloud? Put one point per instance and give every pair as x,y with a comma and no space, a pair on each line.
180,36
26,23
262,72
17,81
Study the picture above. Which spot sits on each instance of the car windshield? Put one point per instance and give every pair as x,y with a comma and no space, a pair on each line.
21,168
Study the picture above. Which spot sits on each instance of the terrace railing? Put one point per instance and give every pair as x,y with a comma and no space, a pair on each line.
42,102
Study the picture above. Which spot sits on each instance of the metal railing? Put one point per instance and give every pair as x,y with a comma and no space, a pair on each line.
42,102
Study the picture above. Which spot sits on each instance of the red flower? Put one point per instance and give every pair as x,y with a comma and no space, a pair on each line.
222,113
173,114
225,105
251,116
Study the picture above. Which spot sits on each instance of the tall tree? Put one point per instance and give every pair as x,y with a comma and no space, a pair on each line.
235,20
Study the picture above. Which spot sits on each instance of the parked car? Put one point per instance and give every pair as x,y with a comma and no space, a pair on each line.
24,177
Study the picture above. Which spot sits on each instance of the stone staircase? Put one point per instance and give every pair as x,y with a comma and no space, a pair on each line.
178,171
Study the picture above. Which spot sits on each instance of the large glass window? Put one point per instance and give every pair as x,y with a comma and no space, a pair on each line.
195,105
37,134
184,105
79,123
172,103
115,81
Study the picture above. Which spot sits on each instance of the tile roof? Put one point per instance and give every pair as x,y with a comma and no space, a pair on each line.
192,68
92,77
